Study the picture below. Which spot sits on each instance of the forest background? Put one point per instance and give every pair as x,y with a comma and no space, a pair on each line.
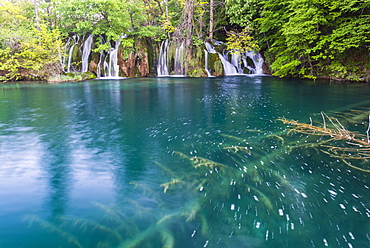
298,38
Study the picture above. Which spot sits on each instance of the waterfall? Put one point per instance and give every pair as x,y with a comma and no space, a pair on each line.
177,68
113,68
102,62
98,70
109,62
210,48
162,68
229,68
257,61
238,61
75,38
179,60
106,68
206,63
86,53
62,56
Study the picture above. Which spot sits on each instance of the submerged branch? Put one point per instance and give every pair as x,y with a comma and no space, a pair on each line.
354,146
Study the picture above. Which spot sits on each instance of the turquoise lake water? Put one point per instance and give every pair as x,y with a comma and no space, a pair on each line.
179,162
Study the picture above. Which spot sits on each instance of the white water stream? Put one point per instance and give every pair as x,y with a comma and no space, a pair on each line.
75,39
86,53
162,67
238,61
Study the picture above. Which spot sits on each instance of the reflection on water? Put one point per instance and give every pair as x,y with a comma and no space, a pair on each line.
177,162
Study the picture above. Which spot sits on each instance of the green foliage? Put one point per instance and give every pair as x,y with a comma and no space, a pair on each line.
33,57
100,17
284,65
26,52
13,25
197,41
10,14
309,38
110,18
300,38
241,41
128,46
71,77
242,12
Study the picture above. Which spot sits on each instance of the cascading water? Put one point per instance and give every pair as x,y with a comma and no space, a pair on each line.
228,67
75,39
209,74
67,61
234,63
110,67
210,48
63,58
113,69
257,61
178,68
86,53
179,60
99,71
162,67
109,62
238,61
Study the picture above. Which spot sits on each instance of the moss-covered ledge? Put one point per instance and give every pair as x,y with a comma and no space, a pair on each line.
71,77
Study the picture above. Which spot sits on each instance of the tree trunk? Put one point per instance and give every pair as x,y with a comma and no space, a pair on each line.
166,4
211,8
36,15
189,8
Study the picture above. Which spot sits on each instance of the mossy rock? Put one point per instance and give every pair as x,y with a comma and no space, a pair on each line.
71,77
200,72
218,68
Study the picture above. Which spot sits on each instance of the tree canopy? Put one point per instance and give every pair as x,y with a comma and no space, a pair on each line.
26,51
299,38
309,38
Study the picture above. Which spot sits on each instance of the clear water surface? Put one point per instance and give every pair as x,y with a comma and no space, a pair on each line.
177,162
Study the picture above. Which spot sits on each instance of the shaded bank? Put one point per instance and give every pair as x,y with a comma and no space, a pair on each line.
146,58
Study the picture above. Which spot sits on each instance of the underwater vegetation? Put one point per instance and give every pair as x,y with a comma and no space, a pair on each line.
335,140
247,193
